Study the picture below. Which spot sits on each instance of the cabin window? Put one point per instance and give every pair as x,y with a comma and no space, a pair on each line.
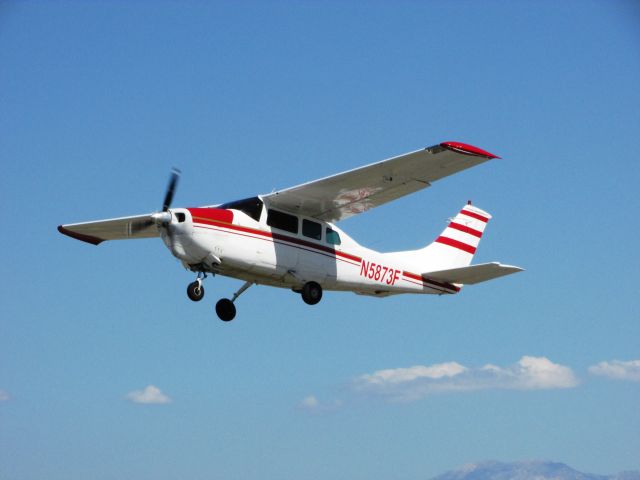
333,238
250,206
311,229
283,221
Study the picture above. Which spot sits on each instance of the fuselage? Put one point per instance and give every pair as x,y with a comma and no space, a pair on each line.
249,241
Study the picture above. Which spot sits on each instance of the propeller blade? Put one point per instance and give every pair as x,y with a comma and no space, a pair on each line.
161,219
140,225
171,188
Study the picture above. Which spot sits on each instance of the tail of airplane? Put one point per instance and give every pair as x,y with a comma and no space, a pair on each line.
449,257
457,244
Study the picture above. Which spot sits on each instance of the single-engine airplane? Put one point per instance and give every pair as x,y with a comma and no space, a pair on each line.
289,239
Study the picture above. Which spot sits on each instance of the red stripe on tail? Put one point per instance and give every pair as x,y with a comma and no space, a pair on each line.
475,215
465,229
456,244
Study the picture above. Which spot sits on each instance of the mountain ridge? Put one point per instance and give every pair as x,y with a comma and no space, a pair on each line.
527,470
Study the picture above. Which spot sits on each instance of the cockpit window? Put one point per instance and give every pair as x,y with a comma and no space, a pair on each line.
251,206
333,238
283,221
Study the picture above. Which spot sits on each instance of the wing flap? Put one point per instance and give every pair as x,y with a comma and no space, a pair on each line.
96,232
340,196
474,273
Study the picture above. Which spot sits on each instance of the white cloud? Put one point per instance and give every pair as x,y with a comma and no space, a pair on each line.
538,373
618,370
309,402
414,383
149,395
312,405
4,396
400,375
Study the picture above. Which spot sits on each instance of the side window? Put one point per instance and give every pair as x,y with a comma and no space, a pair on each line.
332,237
311,229
282,220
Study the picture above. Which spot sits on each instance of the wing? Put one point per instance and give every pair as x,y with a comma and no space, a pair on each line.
340,196
473,273
138,226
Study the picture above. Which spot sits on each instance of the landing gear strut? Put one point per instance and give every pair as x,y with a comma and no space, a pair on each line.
225,308
195,290
311,293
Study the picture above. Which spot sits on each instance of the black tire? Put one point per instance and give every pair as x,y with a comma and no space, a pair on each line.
195,291
225,309
311,293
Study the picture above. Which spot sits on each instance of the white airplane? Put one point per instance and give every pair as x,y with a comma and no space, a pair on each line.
289,239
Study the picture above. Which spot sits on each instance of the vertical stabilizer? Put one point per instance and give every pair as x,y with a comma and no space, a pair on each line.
457,244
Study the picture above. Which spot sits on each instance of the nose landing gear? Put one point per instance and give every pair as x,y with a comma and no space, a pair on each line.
195,290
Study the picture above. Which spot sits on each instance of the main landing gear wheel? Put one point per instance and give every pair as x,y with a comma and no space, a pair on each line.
225,309
311,293
195,291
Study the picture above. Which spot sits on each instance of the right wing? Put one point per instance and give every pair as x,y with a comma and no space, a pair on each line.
340,196
138,226
473,273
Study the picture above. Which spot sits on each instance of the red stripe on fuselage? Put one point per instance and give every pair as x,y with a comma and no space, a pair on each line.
430,283
412,275
264,238
212,214
456,244
465,229
210,219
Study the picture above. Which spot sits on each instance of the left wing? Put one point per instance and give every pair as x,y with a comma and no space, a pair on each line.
340,196
138,226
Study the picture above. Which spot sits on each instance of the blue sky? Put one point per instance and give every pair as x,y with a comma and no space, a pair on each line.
100,99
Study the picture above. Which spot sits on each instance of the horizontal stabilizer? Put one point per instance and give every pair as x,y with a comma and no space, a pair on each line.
473,273
139,226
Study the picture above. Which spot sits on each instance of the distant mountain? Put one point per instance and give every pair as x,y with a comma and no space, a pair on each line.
527,471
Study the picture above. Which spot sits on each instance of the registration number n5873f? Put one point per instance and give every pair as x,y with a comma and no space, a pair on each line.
379,273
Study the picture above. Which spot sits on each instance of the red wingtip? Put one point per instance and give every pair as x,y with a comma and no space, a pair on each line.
80,236
467,149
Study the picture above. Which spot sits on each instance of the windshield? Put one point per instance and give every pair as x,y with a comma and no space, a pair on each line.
251,206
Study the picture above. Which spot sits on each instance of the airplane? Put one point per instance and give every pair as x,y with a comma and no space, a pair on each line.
289,239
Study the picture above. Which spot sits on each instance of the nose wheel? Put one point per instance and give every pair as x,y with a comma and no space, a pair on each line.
195,290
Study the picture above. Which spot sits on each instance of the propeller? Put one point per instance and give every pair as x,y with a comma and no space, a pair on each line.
161,219
171,189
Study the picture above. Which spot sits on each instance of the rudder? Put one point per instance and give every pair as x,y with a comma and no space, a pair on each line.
459,241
